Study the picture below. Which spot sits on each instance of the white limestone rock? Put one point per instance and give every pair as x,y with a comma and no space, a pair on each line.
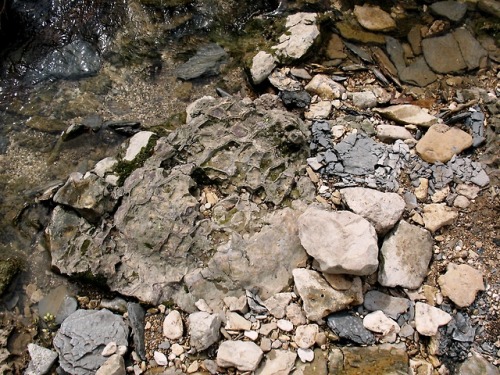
262,65
244,355
305,336
341,242
173,328
203,329
429,318
301,34
136,144
382,210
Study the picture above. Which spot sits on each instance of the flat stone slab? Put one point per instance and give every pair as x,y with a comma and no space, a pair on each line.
443,54
373,18
350,327
461,283
206,62
243,355
341,242
391,306
390,133
452,10
442,142
405,256
407,114
301,34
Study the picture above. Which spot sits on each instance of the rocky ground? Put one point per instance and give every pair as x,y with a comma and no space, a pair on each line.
338,215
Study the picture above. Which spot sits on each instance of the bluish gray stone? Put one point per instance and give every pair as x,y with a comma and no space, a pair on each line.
136,318
453,10
82,337
205,63
350,327
73,61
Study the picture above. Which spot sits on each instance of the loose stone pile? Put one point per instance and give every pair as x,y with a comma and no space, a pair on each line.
264,246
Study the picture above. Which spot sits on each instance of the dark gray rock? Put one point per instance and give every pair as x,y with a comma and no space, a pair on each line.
205,63
396,53
418,73
296,99
453,10
491,7
391,306
82,337
41,361
136,319
75,60
443,54
359,154
476,123
350,327
471,50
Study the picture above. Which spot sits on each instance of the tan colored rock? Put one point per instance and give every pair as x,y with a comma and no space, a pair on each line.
461,283
373,18
390,133
325,87
422,189
305,336
244,355
437,215
442,142
407,114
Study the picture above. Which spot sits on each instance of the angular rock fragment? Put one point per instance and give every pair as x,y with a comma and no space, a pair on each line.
340,242
301,34
203,329
277,304
82,336
114,365
244,355
407,114
41,361
390,133
382,210
471,50
378,322
262,65
405,256
325,87
391,306
437,215
441,143
429,318
461,283
350,327
319,298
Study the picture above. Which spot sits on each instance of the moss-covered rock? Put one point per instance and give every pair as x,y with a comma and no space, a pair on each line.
8,269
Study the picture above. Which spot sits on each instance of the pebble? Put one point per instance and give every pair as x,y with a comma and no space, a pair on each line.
252,335
305,355
285,325
177,349
160,358
109,349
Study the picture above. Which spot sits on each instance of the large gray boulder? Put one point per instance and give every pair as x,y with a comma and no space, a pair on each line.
82,337
157,246
405,256
340,242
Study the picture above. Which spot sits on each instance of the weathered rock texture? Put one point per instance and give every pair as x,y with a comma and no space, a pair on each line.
340,242
82,337
405,256
156,241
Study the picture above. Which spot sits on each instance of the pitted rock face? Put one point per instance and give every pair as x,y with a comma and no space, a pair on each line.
157,238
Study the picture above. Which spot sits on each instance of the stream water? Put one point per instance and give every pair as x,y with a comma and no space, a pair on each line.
130,51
